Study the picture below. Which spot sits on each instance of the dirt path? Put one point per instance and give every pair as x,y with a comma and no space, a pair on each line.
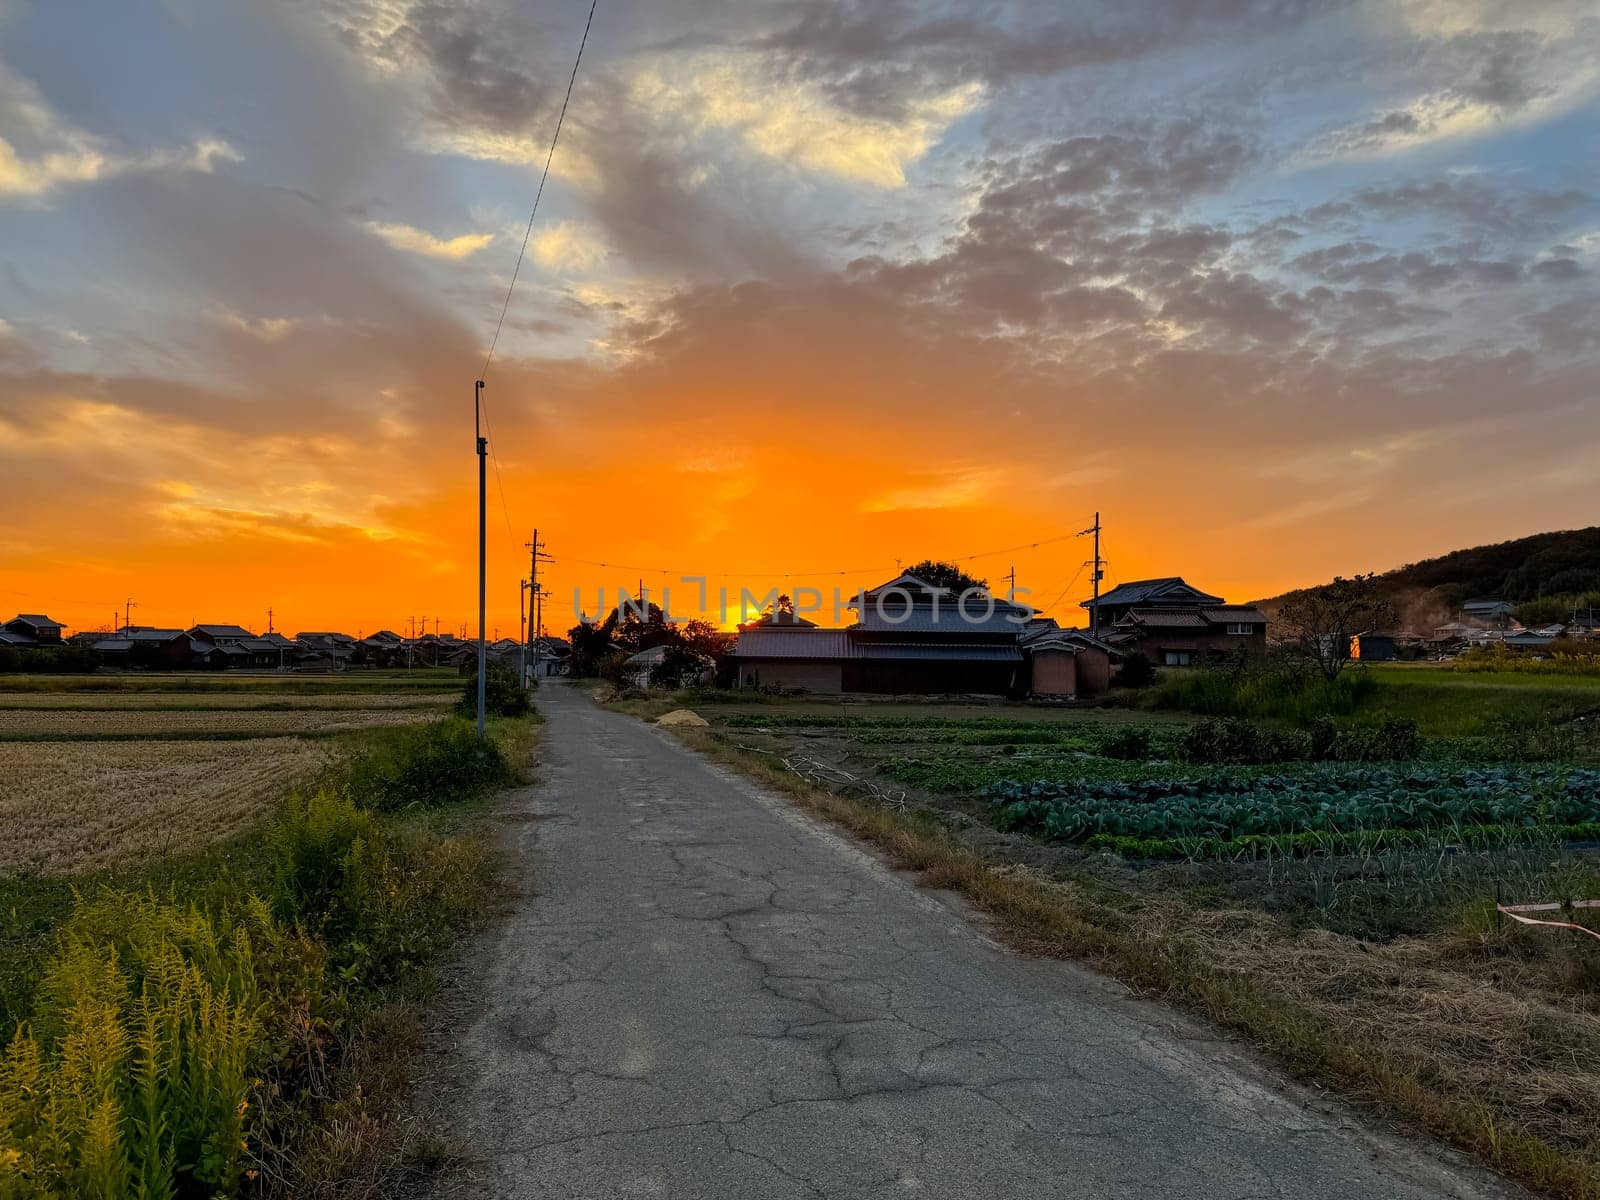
704,993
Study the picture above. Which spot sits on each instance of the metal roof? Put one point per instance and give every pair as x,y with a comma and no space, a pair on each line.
113,644
793,643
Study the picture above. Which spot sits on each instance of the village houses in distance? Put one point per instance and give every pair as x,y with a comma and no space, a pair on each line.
911,637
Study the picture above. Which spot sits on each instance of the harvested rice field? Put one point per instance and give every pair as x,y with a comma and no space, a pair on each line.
110,724
98,770
101,701
75,806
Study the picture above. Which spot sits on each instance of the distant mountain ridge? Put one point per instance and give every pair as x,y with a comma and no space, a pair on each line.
1559,563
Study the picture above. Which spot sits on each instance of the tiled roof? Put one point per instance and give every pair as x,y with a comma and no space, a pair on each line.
946,619
1143,591
1155,618
112,645
39,620
1073,639
216,631
1238,614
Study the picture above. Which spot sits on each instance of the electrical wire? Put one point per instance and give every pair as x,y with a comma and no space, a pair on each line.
522,252
554,138
792,573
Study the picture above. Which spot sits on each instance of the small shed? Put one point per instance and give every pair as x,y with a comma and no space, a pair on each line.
1067,664
1374,647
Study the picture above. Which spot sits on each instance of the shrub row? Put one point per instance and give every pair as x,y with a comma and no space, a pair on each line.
1283,690
181,1048
1238,742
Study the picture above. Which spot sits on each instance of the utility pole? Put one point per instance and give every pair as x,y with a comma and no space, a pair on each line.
483,543
522,631
536,555
538,624
269,620
127,613
1011,584
1096,576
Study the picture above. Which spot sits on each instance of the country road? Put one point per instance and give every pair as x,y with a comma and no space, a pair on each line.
702,992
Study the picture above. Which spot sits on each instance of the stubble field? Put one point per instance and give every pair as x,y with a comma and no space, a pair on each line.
92,777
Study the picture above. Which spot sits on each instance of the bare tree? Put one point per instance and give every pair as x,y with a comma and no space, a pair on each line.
1319,622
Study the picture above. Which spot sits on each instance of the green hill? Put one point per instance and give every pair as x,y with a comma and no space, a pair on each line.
1545,564
1557,570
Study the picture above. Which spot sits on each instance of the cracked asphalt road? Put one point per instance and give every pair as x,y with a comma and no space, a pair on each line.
703,992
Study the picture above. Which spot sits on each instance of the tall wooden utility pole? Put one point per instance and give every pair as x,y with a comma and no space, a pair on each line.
483,545
1096,576
522,631
536,555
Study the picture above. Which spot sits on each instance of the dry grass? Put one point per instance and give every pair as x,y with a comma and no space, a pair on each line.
234,723
103,701
1489,1039
74,806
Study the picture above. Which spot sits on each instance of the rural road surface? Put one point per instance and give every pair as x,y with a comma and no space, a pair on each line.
702,992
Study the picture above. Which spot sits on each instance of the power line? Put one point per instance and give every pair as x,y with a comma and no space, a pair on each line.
555,137
791,573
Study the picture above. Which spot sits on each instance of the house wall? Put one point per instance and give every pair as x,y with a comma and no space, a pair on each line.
1094,672
1201,644
1055,673
925,676
826,678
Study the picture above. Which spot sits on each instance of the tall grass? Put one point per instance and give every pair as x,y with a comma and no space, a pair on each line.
1263,693
1566,658
178,1049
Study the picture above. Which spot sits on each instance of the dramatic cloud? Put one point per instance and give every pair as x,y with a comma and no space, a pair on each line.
1282,287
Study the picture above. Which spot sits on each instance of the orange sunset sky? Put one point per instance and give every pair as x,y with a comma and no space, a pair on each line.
1282,290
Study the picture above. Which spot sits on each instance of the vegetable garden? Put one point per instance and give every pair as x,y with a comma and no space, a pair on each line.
1406,804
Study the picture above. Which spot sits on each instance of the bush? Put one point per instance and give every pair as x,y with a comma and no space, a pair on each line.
1237,742
48,660
426,766
382,898
1395,740
503,694
1136,671
1132,742
679,666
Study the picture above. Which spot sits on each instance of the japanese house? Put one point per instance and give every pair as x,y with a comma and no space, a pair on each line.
1174,624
